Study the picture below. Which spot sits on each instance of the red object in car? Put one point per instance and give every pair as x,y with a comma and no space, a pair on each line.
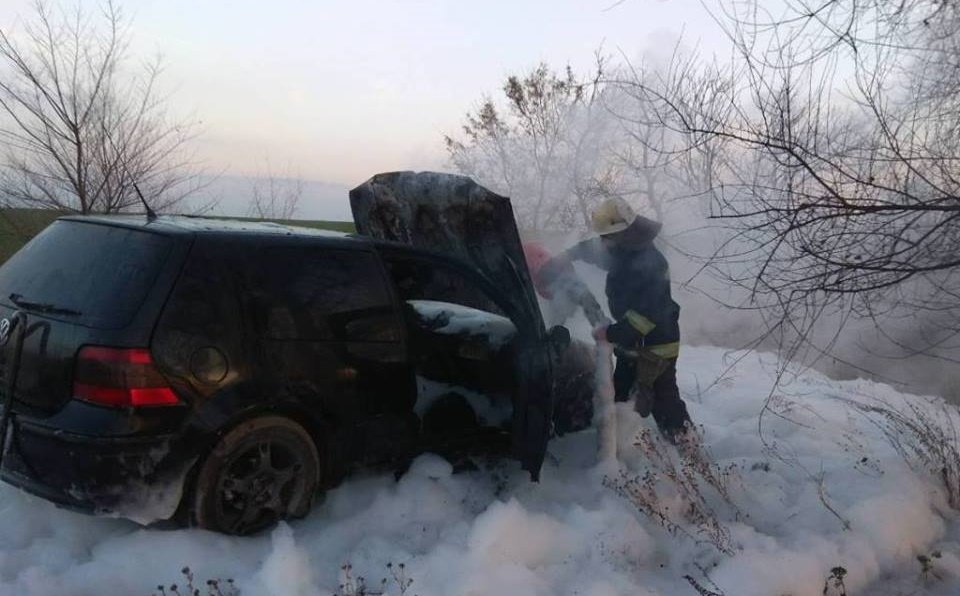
120,377
537,256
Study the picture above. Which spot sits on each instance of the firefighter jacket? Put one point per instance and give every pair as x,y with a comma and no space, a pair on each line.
638,288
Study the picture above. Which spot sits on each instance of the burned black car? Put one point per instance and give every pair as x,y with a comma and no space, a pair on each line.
222,373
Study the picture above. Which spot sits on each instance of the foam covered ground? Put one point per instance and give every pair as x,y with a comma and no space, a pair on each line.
491,532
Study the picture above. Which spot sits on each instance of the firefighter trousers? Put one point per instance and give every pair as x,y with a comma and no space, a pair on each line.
668,409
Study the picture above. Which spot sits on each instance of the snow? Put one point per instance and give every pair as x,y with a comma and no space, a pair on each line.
491,531
459,319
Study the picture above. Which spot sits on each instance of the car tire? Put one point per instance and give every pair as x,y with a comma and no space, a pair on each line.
262,471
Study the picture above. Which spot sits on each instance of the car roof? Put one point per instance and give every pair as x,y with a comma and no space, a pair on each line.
236,228
191,225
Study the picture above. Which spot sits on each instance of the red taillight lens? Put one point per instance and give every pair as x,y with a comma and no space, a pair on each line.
120,377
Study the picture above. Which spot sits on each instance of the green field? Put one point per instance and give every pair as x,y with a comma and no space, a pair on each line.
19,225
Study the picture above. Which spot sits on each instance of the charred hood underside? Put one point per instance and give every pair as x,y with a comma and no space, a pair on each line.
452,215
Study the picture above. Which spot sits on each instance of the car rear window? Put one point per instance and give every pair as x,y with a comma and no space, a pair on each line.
101,272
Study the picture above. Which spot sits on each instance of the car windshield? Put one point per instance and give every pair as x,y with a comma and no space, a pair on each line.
94,275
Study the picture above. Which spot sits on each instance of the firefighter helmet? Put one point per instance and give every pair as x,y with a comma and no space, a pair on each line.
612,216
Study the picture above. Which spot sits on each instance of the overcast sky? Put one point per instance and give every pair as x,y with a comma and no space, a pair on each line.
339,90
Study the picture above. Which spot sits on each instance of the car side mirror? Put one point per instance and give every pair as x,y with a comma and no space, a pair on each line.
559,338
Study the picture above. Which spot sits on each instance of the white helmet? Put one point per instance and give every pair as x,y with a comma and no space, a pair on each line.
612,216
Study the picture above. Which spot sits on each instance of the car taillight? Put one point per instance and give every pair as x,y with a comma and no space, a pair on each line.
120,377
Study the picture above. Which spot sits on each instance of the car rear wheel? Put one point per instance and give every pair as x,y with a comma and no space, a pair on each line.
264,470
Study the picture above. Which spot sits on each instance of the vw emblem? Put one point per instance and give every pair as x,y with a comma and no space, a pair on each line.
4,332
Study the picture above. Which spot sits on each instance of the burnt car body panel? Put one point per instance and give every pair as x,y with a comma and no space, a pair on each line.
451,214
215,332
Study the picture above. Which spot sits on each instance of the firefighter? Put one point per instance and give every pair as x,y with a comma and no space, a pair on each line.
645,332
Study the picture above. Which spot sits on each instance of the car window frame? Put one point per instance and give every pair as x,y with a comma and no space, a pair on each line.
466,271
254,315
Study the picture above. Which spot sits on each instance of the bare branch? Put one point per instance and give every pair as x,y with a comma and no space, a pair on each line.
80,130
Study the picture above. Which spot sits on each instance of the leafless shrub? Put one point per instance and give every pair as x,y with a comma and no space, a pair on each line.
785,409
825,501
686,478
834,583
275,196
924,433
357,586
400,577
214,587
702,590
928,571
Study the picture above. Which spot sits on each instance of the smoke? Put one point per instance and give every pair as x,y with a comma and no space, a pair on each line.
611,139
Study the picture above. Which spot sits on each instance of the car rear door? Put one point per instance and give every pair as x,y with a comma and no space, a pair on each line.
328,336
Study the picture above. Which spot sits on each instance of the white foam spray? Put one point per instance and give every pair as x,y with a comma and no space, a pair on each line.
604,408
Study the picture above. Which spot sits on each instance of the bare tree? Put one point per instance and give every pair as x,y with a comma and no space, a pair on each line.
644,151
563,143
275,197
665,162
79,131
841,181
542,149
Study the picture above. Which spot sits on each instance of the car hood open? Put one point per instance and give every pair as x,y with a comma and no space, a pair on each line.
455,216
